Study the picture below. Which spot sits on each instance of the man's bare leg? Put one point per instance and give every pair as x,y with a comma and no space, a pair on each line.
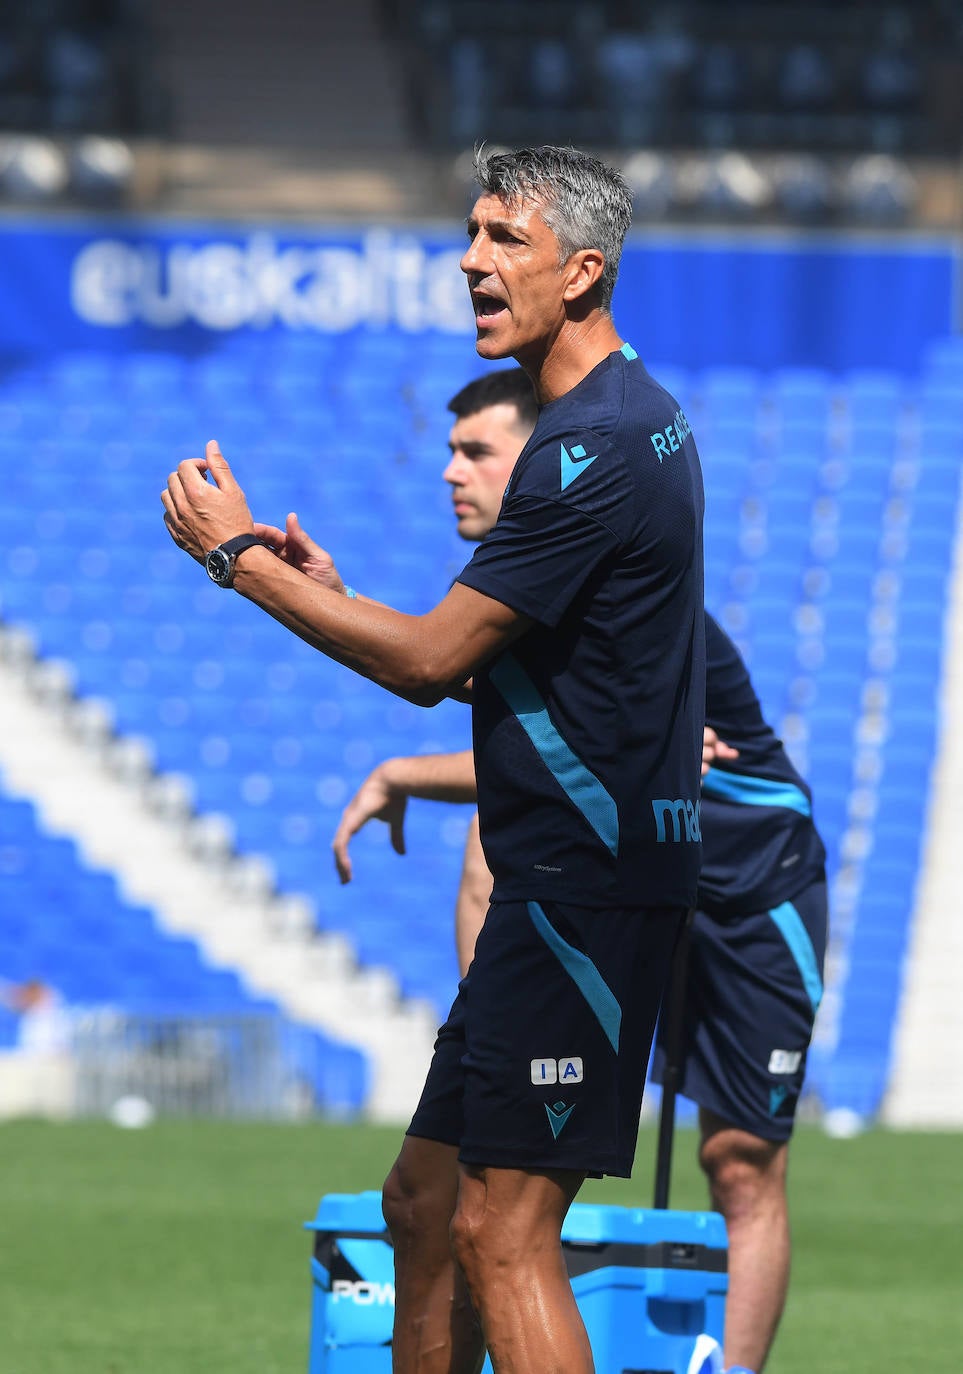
506,1238
747,1184
436,1330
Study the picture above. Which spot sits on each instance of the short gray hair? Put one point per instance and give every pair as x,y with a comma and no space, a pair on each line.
585,203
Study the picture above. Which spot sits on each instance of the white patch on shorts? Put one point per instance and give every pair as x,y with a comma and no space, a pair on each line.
785,1061
566,1070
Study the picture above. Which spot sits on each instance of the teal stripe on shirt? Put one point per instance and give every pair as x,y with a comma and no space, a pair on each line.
583,974
739,787
796,936
580,785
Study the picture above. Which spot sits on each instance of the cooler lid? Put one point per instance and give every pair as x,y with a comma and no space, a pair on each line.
352,1212
588,1224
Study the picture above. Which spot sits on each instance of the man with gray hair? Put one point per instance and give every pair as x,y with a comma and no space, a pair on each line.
758,936
579,621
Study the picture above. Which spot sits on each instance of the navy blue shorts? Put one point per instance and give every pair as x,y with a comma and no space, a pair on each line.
754,984
541,1062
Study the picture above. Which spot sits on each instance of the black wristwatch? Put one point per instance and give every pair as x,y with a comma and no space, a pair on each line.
220,561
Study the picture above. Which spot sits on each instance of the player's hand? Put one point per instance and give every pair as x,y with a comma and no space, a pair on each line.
200,514
292,545
714,749
375,800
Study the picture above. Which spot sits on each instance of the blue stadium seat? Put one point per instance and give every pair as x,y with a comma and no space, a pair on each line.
802,396
943,360
151,376
787,506
79,375
803,447
941,415
720,386
784,381
728,429
937,485
873,397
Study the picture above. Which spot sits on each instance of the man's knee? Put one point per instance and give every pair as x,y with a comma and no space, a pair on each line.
480,1239
398,1203
509,1221
419,1193
742,1169
488,1249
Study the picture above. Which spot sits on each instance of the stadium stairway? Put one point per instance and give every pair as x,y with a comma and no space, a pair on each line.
926,1085
926,1088
97,791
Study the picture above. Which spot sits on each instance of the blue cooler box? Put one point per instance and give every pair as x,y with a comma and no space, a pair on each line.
651,1286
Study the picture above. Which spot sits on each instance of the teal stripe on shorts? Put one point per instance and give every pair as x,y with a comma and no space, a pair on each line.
796,936
584,975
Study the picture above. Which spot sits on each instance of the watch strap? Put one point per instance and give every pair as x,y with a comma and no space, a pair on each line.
240,542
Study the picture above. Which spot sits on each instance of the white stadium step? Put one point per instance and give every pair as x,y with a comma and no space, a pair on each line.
926,1081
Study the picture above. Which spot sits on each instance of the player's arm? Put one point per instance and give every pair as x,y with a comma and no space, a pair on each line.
474,897
295,546
421,658
384,794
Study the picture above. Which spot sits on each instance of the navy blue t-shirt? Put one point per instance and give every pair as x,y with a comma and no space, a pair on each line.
588,729
760,846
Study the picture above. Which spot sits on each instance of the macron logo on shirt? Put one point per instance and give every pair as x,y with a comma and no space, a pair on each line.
574,464
683,813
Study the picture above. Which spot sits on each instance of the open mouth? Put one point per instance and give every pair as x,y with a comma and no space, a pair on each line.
487,308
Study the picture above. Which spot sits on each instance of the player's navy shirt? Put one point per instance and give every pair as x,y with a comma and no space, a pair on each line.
588,729
760,846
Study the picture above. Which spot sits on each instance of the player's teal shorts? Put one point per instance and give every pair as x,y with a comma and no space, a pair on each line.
541,1062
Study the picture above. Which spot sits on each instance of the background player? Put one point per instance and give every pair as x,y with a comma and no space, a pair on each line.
759,937
580,621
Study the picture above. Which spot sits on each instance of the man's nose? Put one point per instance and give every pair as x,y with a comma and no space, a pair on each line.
475,258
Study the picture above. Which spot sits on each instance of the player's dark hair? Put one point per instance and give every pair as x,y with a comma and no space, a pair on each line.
507,386
584,202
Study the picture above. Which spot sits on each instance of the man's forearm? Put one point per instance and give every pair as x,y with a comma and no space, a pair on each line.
375,641
422,658
432,777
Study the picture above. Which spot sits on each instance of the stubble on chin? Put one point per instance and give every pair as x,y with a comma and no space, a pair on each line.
488,347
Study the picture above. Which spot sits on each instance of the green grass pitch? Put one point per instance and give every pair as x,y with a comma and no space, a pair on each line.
178,1249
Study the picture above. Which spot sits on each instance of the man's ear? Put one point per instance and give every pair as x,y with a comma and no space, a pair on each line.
583,271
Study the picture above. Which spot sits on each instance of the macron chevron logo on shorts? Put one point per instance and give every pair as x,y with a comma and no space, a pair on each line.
574,464
558,1114
777,1097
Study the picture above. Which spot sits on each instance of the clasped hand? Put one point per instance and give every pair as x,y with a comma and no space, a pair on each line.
200,514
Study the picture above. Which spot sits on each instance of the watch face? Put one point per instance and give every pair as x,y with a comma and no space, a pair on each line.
218,566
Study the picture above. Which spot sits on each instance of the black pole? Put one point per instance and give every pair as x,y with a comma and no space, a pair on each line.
674,1004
